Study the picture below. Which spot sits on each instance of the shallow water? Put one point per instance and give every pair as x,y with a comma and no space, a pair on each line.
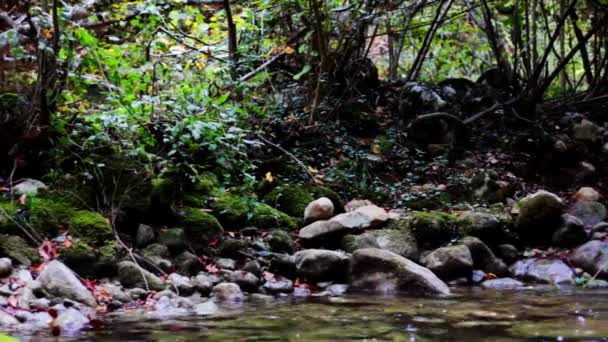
541,314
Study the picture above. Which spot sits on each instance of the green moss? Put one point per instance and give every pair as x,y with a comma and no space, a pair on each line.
90,227
290,199
200,225
107,259
432,228
280,242
48,215
18,250
80,257
172,187
174,239
8,213
236,212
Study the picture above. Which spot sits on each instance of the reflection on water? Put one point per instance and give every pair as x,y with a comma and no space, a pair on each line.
540,315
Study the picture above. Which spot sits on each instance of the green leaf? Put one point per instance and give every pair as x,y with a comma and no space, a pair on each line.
302,72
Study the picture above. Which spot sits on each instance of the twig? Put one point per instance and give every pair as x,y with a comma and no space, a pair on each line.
129,250
289,154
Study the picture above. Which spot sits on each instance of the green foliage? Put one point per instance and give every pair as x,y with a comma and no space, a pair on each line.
200,225
291,199
236,212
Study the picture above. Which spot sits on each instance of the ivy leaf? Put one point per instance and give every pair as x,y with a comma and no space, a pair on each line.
302,72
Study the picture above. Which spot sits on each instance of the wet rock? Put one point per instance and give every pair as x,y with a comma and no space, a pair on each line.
7,320
398,241
508,253
131,275
174,239
450,262
597,284
587,194
319,209
591,213
284,265
337,290
226,264
586,131
545,271
71,320
183,284
253,267
145,235
115,292
261,298
571,233
227,292
321,264
245,280
280,241
207,308
483,257
28,186
502,284
539,216
59,281
138,293
188,264
385,272
280,285
592,257
300,292
203,284
6,267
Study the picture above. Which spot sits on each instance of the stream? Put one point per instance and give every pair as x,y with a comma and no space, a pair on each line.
541,313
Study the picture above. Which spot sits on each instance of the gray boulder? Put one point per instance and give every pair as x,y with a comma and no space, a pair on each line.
6,267
131,276
245,280
502,284
322,264
400,242
450,262
589,212
571,233
227,292
592,257
182,284
282,285
544,271
382,271
319,209
483,257
540,214
59,281
144,236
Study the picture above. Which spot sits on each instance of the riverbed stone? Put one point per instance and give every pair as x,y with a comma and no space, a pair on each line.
283,264
174,239
450,262
115,292
544,271
245,280
431,229
59,281
278,285
319,209
207,308
483,257
589,212
188,264
203,284
130,275
227,292
7,320
399,241
587,194
508,253
280,241
144,236
502,284
382,271
586,131
489,227
321,264
182,283
592,257
6,267
226,263
571,233
540,214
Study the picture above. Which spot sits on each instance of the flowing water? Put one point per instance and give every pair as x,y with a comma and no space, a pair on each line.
540,314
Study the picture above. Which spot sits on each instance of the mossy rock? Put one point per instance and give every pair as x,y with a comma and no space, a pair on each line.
17,249
231,248
334,197
432,228
108,257
90,227
172,187
47,215
290,199
200,226
236,212
430,200
174,239
398,241
280,242
155,249
80,257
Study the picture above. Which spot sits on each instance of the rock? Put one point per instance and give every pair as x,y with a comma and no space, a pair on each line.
6,267
591,213
138,293
245,280
253,267
71,321
92,228
145,235
432,228
319,209
284,265
597,284
174,239
571,233
18,250
502,284
235,213
416,98
337,290
226,264
382,271
483,257
280,241
586,131
59,281
29,186
115,292
545,271
291,199
321,264
130,276
354,204
203,284
261,298
592,257
587,194
7,320
205,309
400,242
199,226
282,285
188,264
450,262
489,227
539,216
155,249
183,284
487,187
227,292
508,253
323,233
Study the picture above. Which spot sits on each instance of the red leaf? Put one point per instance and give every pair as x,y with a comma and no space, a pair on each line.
37,268
67,243
212,268
48,250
